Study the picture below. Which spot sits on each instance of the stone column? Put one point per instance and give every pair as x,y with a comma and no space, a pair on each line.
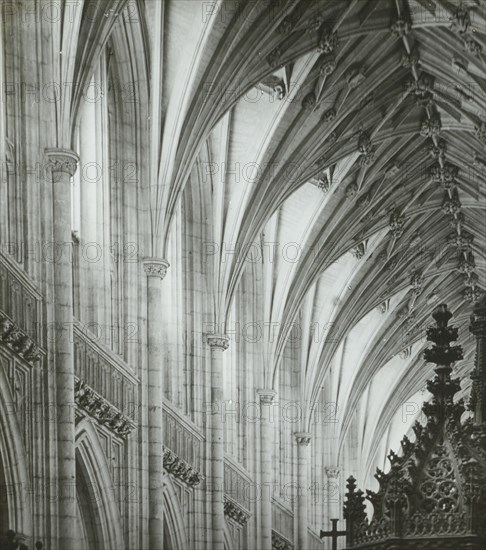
478,392
266,465
156,270
218,344
332,493
303,439
62,165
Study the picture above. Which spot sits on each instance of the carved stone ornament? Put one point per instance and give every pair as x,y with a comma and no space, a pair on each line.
473,47
473,294
431,127
155,267
102,410
359,250
328,66
438,151
457,222
365,199
332,472
451,204
444,175
384,307
366,149
323,182
396,223
219,341
434,494
288,23
355,76
461,20
405,353
309,101
329,115
303,438
351,190
279,542
328,41
274,57
416,282
466,264
401,27
477,401
17,340
266,396
410,61
462,242
181,469
62,161
480,130
236,512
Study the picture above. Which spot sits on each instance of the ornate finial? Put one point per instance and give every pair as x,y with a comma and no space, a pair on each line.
354,506
443,387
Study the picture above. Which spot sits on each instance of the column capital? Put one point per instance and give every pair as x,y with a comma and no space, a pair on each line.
155,267
303,438
62,160
332,472
266,396
219,341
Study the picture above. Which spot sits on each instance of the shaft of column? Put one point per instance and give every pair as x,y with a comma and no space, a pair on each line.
303,439
156,270
218,344
266,466
62,165
332,492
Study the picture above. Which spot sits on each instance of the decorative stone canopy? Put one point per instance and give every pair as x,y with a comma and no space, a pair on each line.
434,495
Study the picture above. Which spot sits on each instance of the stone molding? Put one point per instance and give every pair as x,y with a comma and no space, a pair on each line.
303,438
156,267
62,161
279,542
17,340
178,467
101,409
266,396
218,341
234,511
332,472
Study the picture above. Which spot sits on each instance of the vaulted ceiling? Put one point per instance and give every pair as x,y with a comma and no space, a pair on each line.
356,130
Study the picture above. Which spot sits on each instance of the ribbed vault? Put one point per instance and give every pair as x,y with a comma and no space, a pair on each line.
354,130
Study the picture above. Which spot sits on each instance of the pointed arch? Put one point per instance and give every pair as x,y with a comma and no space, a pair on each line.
174,521
105,513
13,460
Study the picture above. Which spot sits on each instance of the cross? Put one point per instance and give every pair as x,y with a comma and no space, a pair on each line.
334,533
